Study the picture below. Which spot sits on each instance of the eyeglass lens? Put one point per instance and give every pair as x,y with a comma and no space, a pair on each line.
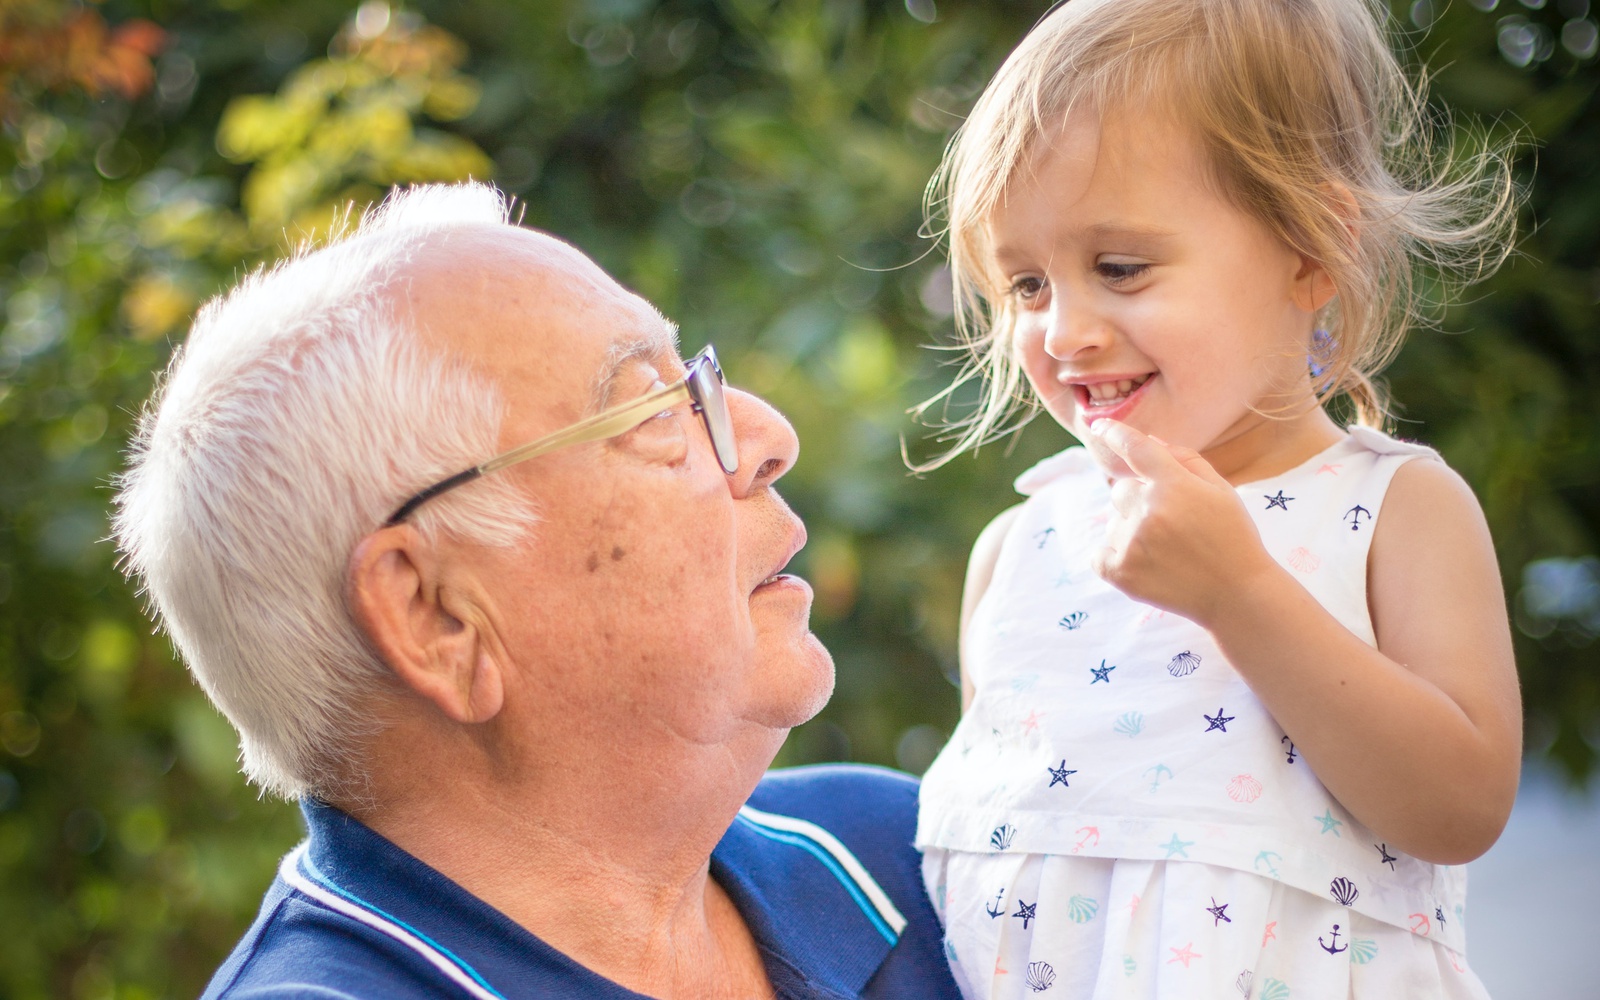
707,390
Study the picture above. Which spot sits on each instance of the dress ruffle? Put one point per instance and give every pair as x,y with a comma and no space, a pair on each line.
1116,929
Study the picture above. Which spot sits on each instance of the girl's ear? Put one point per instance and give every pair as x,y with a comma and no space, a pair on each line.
423,630
1314,284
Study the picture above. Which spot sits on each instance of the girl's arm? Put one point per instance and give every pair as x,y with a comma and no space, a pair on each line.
980,570
1420,738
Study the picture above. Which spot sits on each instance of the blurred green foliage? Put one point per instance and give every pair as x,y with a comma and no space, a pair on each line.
753,167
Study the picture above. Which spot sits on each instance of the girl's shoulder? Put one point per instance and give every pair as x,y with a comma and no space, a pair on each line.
1373,440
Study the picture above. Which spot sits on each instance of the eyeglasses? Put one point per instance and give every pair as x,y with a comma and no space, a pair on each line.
701,386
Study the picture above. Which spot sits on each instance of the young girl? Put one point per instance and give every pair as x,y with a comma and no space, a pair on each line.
1239,694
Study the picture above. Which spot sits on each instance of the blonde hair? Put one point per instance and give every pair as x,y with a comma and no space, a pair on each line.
1309,123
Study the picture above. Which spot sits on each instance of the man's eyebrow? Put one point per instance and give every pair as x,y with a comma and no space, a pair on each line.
645,347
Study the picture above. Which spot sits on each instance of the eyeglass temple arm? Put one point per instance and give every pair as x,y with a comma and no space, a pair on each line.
598,427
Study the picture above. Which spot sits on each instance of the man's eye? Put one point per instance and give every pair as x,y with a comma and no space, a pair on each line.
1115,273
659,438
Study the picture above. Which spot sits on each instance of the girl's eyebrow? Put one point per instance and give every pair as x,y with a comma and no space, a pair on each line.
1133,232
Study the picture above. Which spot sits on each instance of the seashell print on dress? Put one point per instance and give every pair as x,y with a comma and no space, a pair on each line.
1244,788
1082,909
1304,560
1040,976
1000,839
1074,620
1129,724
1343,891
1184,664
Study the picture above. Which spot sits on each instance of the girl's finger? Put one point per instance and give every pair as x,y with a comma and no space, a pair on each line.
1191,460
1147,459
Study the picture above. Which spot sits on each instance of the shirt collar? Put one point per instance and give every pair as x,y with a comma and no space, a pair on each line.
818,935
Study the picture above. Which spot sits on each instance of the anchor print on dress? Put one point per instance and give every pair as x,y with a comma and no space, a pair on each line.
1089,836
1039,976
1421,925
1041,537
1280,501
1287,740
1384,857
1219,912
1438,914
1159,771
1334,948
996,909
1184,664
1220,721
1266,858
1101,673
1059,775
1074,621
1354,516
1025,912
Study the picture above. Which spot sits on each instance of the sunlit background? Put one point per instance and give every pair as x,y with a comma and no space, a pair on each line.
753,167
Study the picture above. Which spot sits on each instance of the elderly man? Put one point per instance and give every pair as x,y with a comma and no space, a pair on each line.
527,707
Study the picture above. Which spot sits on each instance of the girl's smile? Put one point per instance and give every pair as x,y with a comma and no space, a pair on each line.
1135,290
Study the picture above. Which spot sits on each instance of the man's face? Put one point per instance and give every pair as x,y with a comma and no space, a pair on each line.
649,600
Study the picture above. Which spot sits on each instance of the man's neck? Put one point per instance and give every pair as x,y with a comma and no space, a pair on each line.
604,863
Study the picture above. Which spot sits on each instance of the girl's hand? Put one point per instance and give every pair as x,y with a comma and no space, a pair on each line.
1180,537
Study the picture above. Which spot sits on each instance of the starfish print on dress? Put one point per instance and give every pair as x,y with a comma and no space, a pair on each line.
1025,912
1176,846
1220,722
1219,912
1384,857
1184,955
1329,824
1101,673
1059,775
1031,723
1280,501
1330,469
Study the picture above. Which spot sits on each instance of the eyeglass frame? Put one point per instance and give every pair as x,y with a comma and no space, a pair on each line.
705,398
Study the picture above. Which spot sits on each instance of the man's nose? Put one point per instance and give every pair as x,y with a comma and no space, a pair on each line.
1073,326
767,443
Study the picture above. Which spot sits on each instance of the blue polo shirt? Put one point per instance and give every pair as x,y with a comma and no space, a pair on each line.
819,862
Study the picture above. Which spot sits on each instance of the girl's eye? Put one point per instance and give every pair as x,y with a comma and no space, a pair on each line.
1116,273
1027,288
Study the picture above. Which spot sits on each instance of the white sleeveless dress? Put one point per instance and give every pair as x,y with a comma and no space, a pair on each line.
1117,815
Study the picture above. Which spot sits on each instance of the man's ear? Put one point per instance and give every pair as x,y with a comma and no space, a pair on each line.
1314,284
423,630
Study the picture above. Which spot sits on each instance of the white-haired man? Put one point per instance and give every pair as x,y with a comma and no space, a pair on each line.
492,581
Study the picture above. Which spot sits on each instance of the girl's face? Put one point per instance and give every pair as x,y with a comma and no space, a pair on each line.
1140,293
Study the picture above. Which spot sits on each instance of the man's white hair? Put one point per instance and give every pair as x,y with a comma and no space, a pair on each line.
301,411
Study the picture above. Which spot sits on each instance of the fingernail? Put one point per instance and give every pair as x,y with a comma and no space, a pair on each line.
1099,428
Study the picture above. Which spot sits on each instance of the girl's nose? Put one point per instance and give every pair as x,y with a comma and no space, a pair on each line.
766,441
1071,328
